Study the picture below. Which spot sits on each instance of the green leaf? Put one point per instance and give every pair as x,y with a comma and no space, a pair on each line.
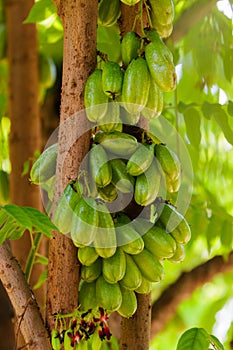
15,220
193,124
222,120
226,234
40,11
194,339
41,222
216,343
41,280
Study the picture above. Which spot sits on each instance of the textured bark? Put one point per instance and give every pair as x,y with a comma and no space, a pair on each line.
28,317
25,136
190,17
79,59
165,307
134,331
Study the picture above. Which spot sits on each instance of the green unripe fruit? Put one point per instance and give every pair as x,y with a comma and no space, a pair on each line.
112,78
129,47
109,12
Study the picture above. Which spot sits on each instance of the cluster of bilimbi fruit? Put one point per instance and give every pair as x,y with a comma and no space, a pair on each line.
121,256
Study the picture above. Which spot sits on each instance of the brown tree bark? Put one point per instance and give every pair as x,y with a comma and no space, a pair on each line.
28,317
79,59
25,136
165,307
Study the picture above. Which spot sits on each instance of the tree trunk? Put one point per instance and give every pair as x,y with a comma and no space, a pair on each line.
25,136
79,60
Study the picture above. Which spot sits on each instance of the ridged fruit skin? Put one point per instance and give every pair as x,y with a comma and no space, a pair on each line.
154,105
160,63
162,10
140,160
112,78
108,295
65,207
87,295
129,47
147,185
171,167
128,238
123,181
129,303
136,84
92,272
55,340
108,12
105,239
114,267
45,166
111,120
87,255
179,254
149,266
95,100
174,223
108,193
145,287
100,167
133,277
118,143
84,222
160,243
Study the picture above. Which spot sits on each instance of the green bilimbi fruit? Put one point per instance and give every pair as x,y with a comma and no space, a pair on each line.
105,239
129,47
84,222
96,102
174,223
128,238
67,340
130,2
100,167
65,207
133,277
82,345
96,342
160,63
118,143
170,165
129,303
87,296
108,295
129,118
92,272
162,10
147,185
140,160
136,84
145,287
87,255
108,193
111,120
160,243
123,181
154,105
55,340
45,166
109,12
149,266
179,254
4,187
164,30
114,267
112,78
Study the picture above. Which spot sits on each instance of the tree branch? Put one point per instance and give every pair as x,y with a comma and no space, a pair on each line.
28,316
190,17
165,307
